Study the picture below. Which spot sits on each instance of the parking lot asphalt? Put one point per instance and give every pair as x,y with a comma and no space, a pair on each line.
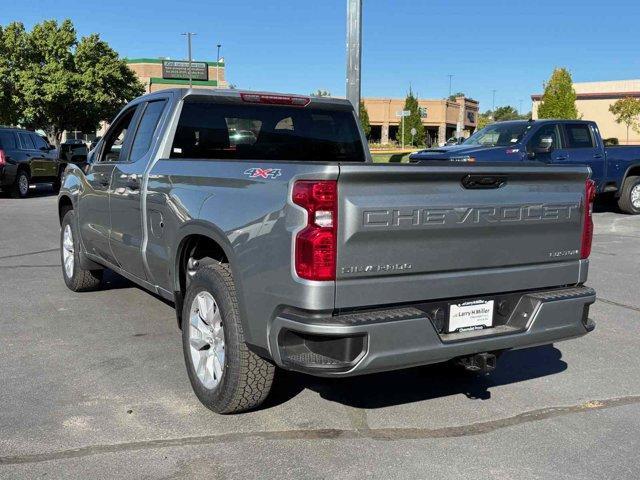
93,385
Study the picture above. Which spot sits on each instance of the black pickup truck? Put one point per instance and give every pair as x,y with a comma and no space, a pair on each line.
26,158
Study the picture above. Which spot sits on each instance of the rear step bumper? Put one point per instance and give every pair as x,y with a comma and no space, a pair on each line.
402,337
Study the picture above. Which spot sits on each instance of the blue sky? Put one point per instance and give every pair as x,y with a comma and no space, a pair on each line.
299,46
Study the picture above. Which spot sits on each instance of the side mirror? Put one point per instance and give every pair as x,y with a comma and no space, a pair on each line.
545,145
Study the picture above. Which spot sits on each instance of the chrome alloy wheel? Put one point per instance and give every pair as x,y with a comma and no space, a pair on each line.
23,185
206,340
67,251
635,196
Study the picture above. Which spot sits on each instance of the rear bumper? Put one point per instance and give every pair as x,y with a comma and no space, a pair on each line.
7,175
403,337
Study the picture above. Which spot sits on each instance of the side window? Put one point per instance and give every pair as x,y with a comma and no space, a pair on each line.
579,136
547,138
7,140
39,143
25,140
146,129
116,136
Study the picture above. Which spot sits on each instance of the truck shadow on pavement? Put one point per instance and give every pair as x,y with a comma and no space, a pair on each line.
421,383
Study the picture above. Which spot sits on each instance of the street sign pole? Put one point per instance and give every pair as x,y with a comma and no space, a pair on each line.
189,35
354,52
402,114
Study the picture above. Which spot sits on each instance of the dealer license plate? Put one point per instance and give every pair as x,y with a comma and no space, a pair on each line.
474,315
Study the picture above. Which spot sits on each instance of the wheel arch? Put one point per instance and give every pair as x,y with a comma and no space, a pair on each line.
24,167
199,240
64,205
632,170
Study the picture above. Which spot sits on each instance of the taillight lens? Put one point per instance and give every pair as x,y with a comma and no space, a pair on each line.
3,158
587,227
316,250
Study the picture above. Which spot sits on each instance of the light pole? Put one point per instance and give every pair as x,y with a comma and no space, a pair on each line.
218,68
493,104
189,35
450,77
520,107
354,52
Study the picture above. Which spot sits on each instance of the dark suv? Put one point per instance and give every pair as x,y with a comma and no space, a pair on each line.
26,158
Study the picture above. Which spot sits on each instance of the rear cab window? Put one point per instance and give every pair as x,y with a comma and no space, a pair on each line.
146,128
214,129
579,136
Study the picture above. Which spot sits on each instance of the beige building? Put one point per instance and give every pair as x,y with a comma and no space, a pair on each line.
441,118
157,74
593,102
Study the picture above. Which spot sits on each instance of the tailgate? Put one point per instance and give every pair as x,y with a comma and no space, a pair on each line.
418,232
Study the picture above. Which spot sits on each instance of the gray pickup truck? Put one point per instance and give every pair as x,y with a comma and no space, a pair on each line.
263,219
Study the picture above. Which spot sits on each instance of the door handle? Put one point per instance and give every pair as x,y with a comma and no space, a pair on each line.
597,155
561,157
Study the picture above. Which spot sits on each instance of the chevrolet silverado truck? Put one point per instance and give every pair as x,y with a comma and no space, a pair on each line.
615,169
288,248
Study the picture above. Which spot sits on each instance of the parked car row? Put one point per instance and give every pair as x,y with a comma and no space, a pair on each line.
26,158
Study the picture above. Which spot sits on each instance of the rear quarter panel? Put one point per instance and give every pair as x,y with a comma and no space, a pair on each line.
251,218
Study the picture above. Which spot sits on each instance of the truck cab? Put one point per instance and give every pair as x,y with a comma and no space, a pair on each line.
559,142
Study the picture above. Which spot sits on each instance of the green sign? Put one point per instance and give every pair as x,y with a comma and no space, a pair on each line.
179,70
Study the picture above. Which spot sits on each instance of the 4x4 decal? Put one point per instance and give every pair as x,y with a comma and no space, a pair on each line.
263,172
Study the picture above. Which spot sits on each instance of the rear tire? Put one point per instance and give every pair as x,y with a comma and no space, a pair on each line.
629,201
225,375
20,187
75,277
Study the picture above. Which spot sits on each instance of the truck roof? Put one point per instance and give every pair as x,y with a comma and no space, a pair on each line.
235,93
542,121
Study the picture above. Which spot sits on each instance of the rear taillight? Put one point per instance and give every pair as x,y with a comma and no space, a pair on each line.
587,227
315,248
3,158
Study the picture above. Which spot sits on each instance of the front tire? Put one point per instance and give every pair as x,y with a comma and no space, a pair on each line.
75,277
20,187
225,375
629,201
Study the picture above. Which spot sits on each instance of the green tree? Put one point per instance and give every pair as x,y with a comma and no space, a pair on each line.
321,93
559,98
627,111
13,47
62,83
452,98
364,119
484,119
506,113
412,121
